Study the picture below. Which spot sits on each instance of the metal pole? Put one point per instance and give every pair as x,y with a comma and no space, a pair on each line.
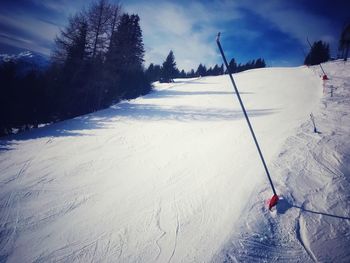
245,113
320,63
313,122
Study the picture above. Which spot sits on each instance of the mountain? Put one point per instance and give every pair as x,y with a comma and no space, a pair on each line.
26,61
174,176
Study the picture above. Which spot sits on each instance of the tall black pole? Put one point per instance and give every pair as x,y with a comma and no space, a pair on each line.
324,73
245,113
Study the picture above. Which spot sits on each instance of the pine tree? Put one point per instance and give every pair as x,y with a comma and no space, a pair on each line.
260,63
222,71
182,74
319,53
201,71
210,72
344,42
169,70
191,74
126,49
100,17
125,60
153,72
71,44
232,66
71,55
115,17
216,70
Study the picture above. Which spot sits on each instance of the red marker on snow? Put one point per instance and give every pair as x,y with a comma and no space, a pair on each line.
273,201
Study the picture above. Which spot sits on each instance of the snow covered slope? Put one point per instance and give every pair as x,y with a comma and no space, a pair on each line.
312,171
170,177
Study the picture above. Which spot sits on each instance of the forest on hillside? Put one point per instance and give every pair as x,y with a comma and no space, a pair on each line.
97,61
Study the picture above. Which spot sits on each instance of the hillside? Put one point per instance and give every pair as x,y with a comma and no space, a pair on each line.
312,220
175,177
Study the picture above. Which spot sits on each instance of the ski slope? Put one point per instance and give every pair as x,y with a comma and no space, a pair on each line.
312,220
170,177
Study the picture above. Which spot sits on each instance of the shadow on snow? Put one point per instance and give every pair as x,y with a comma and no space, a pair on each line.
173,93
283,205
128,111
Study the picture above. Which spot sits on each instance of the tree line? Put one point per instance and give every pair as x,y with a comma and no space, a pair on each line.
168,70
97,60
320,51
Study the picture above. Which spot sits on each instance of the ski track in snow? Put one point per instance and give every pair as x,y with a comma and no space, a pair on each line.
312,174
302,236
176,231
174,176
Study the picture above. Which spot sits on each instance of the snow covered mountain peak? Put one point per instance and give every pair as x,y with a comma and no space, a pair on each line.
15,57
26,61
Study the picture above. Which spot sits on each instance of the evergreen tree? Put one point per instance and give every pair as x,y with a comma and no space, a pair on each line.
210,72
125,60
126,49
8,103
344,42
232,66
71,44
153,72
100,16
221,70
260,63
182,74
191,74
71,54
216,70
115,17
319,53
97,60
239,67
169,70
201,71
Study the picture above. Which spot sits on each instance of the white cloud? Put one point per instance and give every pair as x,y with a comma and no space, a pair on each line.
189,30
23,43
35,27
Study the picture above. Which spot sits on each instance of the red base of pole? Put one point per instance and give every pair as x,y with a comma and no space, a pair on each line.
325,77
273,201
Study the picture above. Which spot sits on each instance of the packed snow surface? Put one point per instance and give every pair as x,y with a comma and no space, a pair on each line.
174,176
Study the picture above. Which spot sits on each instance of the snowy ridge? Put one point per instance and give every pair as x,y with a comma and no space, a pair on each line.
13,57
312,221
170,177
26,61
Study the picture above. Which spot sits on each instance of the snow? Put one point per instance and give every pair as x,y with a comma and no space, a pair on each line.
312,220
174,176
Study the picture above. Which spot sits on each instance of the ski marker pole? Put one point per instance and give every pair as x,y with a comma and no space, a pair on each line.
324,73
274,199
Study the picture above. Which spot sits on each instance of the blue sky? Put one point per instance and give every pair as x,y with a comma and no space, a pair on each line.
275,30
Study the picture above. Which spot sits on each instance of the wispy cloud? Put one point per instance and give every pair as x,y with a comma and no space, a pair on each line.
23,43
189,30
293,20
27,32
30,25
250,28
34,24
